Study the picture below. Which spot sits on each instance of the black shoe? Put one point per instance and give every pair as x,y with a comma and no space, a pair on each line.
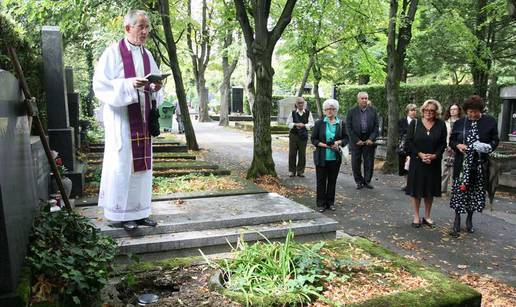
147,222
367,185
321,209
469,223
130,225
332,208
360,186
426,222
416,225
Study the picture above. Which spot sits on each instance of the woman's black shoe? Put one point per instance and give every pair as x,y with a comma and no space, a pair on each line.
416,225
426,222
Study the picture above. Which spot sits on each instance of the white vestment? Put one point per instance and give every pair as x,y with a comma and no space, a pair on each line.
124,194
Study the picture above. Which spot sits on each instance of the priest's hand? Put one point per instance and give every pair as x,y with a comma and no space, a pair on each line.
139,82
156,86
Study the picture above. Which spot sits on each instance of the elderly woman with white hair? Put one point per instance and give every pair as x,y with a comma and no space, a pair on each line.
328,136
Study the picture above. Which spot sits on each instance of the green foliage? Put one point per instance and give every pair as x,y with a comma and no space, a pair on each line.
409,93
276,273
69,257
11,34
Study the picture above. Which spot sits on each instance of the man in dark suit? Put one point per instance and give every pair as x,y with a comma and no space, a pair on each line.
362,124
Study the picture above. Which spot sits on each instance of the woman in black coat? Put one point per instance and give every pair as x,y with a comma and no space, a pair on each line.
426,141
473,138
328,136
403,124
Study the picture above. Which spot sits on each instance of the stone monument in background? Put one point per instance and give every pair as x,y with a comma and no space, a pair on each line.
285,107
62,117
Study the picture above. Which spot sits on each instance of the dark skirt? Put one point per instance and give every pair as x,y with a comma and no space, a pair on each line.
401,165
424,180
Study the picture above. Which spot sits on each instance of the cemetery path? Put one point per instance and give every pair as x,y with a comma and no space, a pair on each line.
384,213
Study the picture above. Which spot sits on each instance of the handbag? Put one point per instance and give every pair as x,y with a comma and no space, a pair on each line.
154,119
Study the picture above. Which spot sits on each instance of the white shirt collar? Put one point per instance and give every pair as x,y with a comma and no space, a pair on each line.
300,112
409,119
132,47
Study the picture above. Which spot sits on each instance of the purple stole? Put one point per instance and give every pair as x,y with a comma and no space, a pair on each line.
140,137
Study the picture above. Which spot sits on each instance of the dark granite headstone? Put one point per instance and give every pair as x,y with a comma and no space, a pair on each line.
508,124
237,100
18,202
73,105
41,167
52,51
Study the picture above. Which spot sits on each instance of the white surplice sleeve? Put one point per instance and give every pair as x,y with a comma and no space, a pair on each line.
109,84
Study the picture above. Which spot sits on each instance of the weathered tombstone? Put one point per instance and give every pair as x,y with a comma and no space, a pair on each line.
18,201
285,107
165,114
237,100
508,122
61,135
73,105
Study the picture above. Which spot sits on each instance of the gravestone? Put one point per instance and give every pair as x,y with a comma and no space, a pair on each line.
285,107
237,100
61,134
73,105
18,201
508,122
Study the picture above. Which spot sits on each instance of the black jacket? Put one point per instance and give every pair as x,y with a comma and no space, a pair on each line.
319,136
488,133
354,128
402,127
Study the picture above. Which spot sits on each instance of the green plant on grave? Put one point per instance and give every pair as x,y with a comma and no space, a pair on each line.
69,258
272,273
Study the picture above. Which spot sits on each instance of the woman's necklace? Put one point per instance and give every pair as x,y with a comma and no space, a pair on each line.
425,123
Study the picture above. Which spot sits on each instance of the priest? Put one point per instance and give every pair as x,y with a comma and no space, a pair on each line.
125,97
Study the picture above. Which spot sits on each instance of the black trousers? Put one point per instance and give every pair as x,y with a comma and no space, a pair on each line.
365,153
296,148
326,180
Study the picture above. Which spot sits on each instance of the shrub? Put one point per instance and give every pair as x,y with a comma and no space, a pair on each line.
69,258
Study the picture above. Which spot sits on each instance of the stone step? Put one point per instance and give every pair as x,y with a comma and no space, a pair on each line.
96,157
155,148
210,213
217,240
177,173
154,142
156,166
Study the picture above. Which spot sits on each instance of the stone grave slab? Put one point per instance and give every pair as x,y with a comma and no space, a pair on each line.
209,223
285,107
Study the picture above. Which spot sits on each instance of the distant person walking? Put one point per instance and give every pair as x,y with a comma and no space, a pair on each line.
299,121
426,141
362,124
473,138
328,136
451,115
403,124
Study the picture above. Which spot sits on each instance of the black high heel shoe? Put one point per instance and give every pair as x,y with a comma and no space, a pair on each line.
429,224
416,225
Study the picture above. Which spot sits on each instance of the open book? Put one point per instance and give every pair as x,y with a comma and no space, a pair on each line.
155,78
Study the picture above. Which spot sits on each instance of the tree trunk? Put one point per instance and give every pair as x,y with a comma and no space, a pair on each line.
203,100
397,42
191,140
317,79
262,163
301,89
88,110
249,85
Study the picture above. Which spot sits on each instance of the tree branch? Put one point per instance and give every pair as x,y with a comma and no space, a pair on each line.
243,19
283,21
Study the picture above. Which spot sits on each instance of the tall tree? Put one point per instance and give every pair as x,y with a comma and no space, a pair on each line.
398,38
200,54
229,58
173,62
260,43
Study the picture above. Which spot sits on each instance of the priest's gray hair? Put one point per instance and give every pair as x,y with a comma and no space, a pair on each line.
331,103
131,17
